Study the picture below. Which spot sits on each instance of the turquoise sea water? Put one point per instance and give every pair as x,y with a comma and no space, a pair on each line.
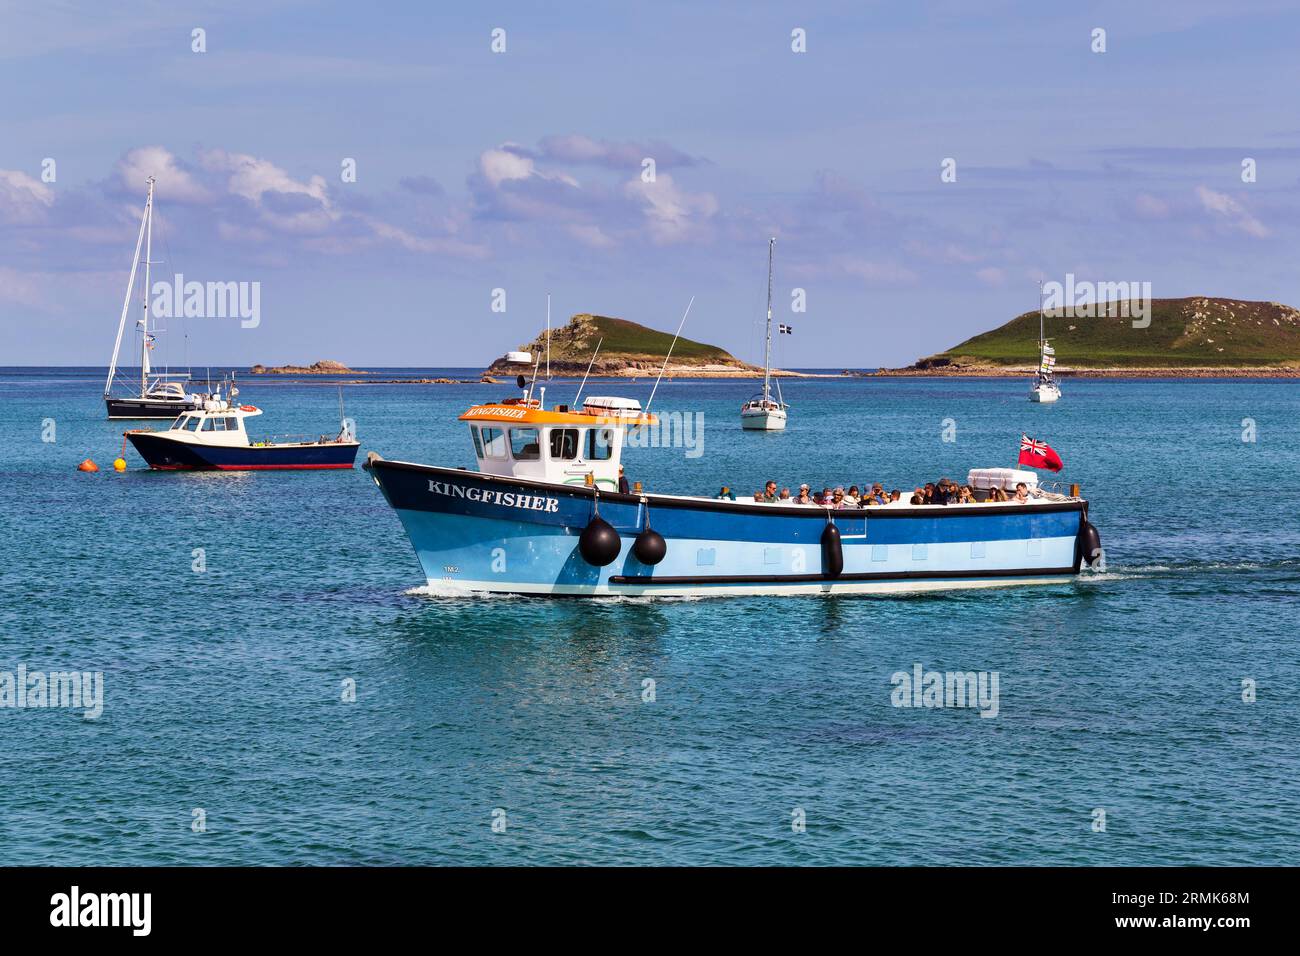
1122,692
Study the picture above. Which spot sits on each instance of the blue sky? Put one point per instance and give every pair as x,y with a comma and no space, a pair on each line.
522,170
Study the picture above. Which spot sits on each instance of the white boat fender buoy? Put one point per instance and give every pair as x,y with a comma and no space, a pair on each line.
1090,543
832,551
599,543
649,546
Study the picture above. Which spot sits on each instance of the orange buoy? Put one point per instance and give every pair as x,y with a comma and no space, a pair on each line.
119,464
88,465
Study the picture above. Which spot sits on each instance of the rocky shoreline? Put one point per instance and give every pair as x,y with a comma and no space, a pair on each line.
323,367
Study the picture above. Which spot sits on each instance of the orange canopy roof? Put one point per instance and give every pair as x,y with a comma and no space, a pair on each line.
535,415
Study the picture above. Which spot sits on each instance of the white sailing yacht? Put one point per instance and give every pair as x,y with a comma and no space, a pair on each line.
762,412
161,394
1044,388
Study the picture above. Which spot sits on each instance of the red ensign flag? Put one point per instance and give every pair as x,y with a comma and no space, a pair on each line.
1039,454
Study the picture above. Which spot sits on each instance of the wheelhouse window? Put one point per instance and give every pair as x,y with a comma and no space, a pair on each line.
523,444
600,444
494,442
209,424
218,424
193,423
232,424
564,444
179,423
478,442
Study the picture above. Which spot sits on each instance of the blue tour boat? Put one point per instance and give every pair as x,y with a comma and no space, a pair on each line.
543,515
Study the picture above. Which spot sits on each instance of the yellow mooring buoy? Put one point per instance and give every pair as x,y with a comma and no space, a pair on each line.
119,464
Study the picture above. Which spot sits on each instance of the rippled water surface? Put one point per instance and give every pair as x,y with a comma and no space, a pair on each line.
223,689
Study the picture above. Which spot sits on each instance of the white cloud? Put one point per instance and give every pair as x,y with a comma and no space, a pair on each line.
175,185
254,178
1237,216
23,200
1150,207
592,236
672,215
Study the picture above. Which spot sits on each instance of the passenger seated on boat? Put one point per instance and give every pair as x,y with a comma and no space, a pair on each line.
805,497
769,491
918,497
837,498
726,493
785,494
851,497
759,497
895,495
997,494
825,497
1022,492
623,487
945,492
876,495
928,492
965,496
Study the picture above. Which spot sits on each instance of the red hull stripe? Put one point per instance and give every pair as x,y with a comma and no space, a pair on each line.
248,467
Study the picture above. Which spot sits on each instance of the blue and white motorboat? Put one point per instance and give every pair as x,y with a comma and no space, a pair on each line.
213,437
543,514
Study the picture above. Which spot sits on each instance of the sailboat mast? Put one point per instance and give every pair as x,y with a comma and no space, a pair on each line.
767,352
126,304
148,254
1041,341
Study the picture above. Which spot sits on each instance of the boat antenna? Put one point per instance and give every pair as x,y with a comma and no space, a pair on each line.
548,336
536,365
588,372
670,353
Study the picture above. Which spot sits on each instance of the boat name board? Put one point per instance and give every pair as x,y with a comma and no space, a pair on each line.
490,496
487,411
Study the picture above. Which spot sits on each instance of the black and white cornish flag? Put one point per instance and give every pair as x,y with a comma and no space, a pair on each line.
785,329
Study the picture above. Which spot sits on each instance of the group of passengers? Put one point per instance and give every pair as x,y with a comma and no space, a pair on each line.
944,492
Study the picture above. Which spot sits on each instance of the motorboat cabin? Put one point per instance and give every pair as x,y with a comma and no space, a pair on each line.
520,438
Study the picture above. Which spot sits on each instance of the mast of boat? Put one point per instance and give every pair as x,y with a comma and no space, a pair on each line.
548,336
671,346
148,254
1040,330
126,302
767,351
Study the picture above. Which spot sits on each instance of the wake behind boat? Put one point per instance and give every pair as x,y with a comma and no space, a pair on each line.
541,516
214,438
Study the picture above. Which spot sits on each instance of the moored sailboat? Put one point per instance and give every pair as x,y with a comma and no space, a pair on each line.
763,412
1044,388
160,394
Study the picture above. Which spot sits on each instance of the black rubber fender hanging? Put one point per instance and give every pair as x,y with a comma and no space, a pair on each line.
649,546
832,551
1090,543
599,543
